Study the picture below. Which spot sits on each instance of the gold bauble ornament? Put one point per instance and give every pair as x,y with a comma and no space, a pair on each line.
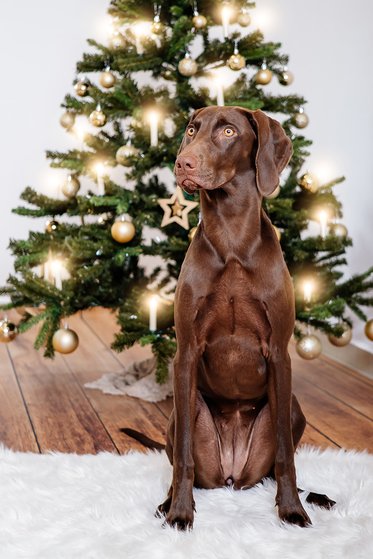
344,339
67,119
191,233
369,329
97,117
236,62
244,18
278,232
117,41
309,182
199,21
338,230
81,88
65,340
264,75
123,231
309,347
71,186
187,66
51,226
107,79
8,331
157,26
300,119
125,153
286,77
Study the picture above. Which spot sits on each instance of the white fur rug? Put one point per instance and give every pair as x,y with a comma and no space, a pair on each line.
64,506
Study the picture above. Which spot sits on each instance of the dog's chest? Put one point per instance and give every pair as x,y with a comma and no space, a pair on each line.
232,304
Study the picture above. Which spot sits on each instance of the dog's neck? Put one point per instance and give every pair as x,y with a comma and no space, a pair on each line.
232,217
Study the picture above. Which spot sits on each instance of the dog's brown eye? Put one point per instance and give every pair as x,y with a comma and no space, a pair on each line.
190,131
229,132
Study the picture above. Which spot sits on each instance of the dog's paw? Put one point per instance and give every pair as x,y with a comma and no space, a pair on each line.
294,515
163,508
320,500
180,517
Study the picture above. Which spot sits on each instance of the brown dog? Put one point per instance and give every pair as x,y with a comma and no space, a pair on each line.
235,419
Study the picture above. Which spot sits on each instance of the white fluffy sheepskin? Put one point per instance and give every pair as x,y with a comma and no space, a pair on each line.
64,506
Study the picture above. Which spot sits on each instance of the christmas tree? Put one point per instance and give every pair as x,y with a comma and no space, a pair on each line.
119,204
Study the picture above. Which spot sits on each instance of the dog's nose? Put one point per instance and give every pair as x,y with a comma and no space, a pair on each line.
186,163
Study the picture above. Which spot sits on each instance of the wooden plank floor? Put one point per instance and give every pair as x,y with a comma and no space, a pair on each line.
45,406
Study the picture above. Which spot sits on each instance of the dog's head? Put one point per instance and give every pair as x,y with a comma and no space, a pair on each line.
221,142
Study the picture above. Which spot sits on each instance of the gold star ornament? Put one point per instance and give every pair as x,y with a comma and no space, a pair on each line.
176,209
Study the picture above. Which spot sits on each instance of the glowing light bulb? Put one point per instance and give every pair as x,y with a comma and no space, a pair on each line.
219,89
323,218
153,119
153,307
55,268
308,288
226,14
141,30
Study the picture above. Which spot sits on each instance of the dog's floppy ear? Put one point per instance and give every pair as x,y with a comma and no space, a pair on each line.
273,152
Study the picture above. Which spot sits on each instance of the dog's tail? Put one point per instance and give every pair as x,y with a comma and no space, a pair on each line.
143,439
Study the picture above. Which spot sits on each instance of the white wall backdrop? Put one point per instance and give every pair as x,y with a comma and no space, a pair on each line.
330,46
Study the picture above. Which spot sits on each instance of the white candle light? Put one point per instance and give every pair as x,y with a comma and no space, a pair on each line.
307,291
153,306
100,170
55,267
153,117
226,13
219,90
323,218
140,30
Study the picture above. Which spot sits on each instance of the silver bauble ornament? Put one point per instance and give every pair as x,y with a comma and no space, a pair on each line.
65,340
81,88
300,119
8,331
344,339
71,186
187,66
309,347
107,79
125,153
338,230
67,119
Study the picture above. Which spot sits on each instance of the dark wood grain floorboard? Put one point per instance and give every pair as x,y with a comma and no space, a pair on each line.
44,404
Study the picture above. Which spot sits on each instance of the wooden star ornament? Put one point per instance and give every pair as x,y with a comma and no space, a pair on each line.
176,209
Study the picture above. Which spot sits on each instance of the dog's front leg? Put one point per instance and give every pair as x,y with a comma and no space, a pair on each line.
185,373
290,508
